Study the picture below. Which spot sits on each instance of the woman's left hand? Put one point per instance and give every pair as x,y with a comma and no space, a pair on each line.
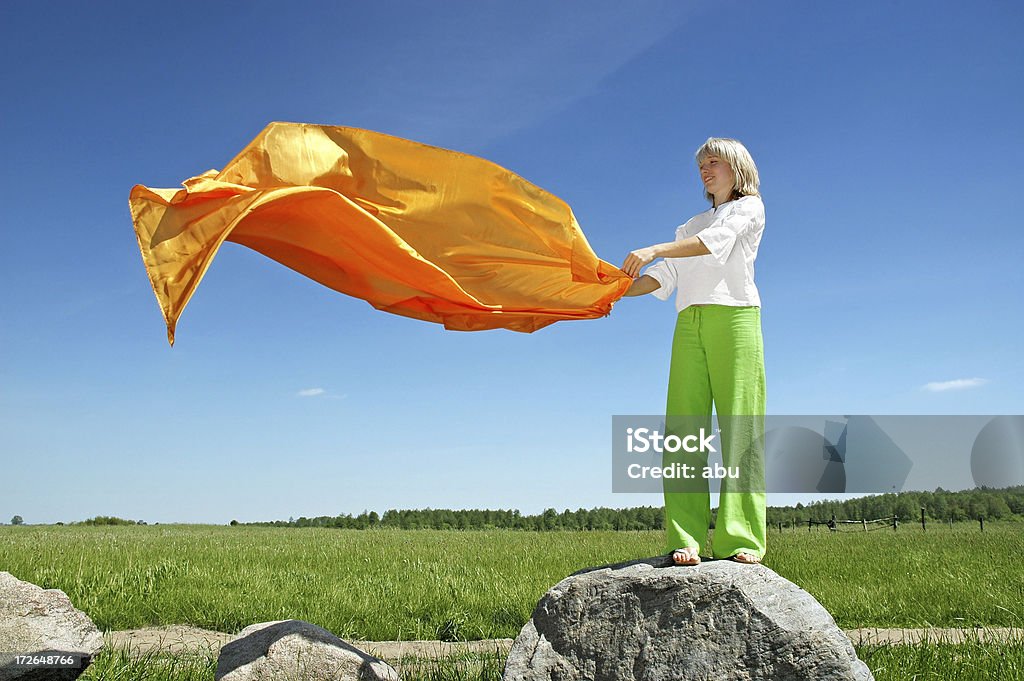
637,259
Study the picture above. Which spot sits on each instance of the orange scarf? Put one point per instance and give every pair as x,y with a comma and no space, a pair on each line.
412,229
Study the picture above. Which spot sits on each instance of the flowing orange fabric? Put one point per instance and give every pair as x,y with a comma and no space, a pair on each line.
412,229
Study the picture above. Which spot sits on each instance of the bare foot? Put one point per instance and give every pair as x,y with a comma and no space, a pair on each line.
686,556
746,558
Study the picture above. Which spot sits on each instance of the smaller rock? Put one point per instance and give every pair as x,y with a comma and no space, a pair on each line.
37,622
294,650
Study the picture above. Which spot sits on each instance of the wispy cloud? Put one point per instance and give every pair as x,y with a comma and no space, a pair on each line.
958,384
320,393
501,72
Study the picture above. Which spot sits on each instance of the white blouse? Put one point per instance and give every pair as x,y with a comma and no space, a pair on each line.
732,232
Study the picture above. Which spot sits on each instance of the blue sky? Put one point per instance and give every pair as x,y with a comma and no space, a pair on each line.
888,139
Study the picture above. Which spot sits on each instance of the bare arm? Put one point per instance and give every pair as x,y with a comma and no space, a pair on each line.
643,285
675,249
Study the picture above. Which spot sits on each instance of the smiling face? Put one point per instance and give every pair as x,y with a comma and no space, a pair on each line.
718,177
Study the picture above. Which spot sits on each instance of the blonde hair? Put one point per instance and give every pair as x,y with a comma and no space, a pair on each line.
736,155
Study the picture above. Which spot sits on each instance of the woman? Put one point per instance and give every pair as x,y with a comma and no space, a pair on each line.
717,354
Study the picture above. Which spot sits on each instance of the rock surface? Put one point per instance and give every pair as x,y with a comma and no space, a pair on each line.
649,619
293,650
42,622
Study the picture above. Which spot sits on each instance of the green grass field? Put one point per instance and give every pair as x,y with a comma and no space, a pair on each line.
453,585
965,662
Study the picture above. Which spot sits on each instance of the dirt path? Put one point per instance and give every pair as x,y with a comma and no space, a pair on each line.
895,637
185,640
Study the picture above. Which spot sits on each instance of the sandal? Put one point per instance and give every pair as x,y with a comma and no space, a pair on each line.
687,555
745,557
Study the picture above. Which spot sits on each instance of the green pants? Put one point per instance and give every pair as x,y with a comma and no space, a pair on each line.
718,357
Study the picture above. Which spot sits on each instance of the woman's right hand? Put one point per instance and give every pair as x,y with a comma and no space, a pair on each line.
636,260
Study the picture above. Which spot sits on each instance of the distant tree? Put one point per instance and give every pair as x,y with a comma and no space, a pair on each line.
17,520
107,520
997,507
234,523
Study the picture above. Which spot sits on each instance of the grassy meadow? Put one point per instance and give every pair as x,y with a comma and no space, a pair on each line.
964,662
462,585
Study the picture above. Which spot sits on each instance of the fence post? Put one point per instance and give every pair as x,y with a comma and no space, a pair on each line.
808,524
922,518
951,522
780,528
895,522
981,521
864,522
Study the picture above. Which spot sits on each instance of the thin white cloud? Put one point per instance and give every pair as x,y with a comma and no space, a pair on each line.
501,70
311,392
958,384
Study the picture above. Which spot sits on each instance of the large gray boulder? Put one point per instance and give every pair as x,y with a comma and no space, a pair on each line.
39,622
293,650
650,619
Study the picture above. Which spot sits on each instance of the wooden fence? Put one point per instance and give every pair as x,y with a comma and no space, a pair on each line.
892,521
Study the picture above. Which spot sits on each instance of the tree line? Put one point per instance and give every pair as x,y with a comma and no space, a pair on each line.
940,505
640,518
